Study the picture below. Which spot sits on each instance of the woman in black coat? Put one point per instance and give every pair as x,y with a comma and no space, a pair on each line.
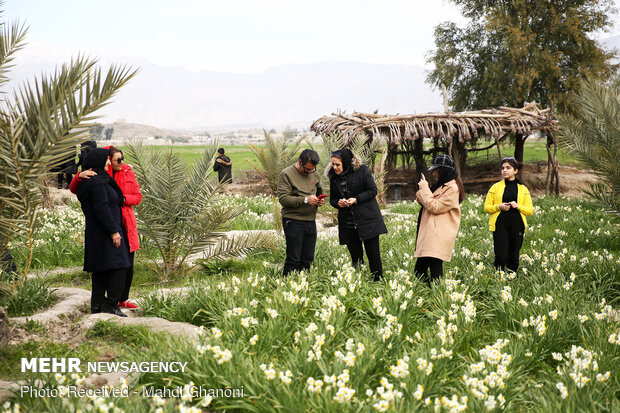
353,192
105,251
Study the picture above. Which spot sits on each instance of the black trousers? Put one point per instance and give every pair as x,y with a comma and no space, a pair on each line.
67,176
507,241
300,242
423,264
354,244
107,288
128,277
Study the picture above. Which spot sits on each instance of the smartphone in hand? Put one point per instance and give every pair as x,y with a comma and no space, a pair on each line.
322,196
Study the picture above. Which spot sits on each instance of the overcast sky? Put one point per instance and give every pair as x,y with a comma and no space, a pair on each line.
244,36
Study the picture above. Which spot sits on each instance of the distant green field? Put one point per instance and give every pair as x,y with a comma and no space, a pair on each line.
241,155
536,150
238,154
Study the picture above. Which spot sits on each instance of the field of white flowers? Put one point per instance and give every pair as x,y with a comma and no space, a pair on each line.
546,340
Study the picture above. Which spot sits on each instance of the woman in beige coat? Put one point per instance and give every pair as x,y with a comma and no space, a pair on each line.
439,219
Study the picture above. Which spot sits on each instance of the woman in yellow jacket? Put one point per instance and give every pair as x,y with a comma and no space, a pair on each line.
508,201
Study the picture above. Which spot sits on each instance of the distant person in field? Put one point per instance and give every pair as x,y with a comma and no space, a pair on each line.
223,166
508,201
439,218
353,193
126,180
66,170
299,193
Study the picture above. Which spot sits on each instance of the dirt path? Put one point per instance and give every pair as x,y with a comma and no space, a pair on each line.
74,307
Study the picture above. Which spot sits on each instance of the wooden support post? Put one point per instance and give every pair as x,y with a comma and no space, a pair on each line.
553,173
519,147
499,149
456,156
420,165
556,168
549,166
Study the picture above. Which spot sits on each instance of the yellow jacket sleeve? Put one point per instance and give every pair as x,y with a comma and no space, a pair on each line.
525,206
490,207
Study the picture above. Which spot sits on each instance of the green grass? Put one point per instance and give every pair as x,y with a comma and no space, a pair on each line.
239,155
106,340
128,335
535,151
11,355
33,295
144,279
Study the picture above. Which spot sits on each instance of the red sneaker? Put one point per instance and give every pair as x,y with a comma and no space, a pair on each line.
127,304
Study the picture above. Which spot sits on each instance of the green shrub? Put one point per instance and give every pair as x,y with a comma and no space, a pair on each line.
34,294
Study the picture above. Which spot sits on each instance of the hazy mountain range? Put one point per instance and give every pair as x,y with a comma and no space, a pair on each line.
292,94
295,94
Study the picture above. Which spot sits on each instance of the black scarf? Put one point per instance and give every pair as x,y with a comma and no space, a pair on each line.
96,160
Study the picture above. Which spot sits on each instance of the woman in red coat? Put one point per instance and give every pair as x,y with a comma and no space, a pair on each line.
126,180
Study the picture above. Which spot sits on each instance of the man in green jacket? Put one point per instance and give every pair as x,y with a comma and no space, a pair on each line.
299,188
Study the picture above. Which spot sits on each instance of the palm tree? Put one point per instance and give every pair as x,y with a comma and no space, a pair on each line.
181,212
40,123
277,154
592,134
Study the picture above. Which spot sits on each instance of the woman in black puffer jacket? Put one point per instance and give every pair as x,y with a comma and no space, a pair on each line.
353,192
106,253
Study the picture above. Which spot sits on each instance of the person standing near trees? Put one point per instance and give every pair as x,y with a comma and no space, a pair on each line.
106,254
353,192
299,192
508,201
66,170
439,218
126,180
223,166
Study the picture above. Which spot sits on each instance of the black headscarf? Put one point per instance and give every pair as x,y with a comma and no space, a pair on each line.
446,174
96,160
346,157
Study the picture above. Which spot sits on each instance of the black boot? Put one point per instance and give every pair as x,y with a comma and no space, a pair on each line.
112,309
96,309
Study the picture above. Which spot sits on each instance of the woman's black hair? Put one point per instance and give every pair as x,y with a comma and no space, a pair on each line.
512,162
445,175
346,157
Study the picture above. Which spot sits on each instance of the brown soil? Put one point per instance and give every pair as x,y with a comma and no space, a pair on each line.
250,185
572,180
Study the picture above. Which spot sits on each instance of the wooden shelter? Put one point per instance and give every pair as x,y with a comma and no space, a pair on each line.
405,133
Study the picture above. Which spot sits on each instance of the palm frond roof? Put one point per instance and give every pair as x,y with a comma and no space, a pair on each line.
485,124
